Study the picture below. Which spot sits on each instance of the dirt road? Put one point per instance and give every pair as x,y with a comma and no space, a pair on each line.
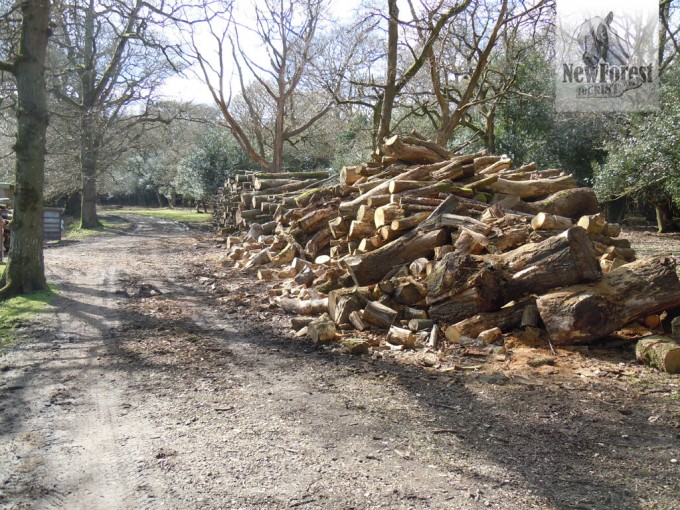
159,380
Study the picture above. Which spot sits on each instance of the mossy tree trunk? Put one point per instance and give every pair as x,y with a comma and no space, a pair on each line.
25,271
664,216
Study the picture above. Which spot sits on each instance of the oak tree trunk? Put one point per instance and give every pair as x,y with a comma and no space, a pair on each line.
25,270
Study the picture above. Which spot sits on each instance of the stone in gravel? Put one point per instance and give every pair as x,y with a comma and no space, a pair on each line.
355,345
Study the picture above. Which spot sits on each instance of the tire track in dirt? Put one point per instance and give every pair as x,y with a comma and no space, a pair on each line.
73,439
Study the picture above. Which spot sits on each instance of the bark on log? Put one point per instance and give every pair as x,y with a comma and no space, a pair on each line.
584,313
318,242
409,222
414,154
339,227
385,214
320,174
379,315
534,189
358,230
302,307
571,203
371,267
659,352
468,287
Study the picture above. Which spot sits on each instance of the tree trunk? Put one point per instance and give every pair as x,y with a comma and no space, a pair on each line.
664,216
25,271
584,313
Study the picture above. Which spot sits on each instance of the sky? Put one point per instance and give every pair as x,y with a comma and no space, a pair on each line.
191,88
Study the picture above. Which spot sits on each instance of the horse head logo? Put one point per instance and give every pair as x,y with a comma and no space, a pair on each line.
600,42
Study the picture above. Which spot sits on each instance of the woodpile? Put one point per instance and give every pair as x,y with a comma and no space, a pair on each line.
254,197
434,249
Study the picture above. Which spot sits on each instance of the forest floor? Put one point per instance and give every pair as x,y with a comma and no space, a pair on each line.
160,379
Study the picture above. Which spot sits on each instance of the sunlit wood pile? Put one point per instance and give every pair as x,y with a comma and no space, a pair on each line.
437,250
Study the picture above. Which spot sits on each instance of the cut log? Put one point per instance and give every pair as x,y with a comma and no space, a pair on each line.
415,154
584,313
409,222
316,219
401,336
659,352
358,230
571,203
420,324
317,174
386,213
594,223
361,294
371,267
507,319
302,307
350,174
365,214
468,287
498,166
534,189
339,227
547,221
376,201
379,315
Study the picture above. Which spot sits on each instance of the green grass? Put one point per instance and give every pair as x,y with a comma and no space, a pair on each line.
109,224
185,215
17,310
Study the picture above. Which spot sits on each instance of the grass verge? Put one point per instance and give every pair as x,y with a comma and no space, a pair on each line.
185,215
20,309
109,224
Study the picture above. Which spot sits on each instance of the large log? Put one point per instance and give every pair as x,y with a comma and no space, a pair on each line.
533,189
461,286
584,313
317,174
571,203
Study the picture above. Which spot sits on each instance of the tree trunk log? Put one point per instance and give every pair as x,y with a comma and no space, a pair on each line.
538,188
414,154
659,352
584,313
571,203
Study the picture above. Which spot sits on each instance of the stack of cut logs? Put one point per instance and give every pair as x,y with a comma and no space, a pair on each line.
250,197
437,249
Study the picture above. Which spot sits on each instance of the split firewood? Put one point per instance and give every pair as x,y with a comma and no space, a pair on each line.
357,320
321,329
418,266
379,315
659,352
471,242
409,292
584,313
362,295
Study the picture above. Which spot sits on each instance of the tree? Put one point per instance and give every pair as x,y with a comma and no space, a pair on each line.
215,157
25,271
269,106
109,61
643,161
